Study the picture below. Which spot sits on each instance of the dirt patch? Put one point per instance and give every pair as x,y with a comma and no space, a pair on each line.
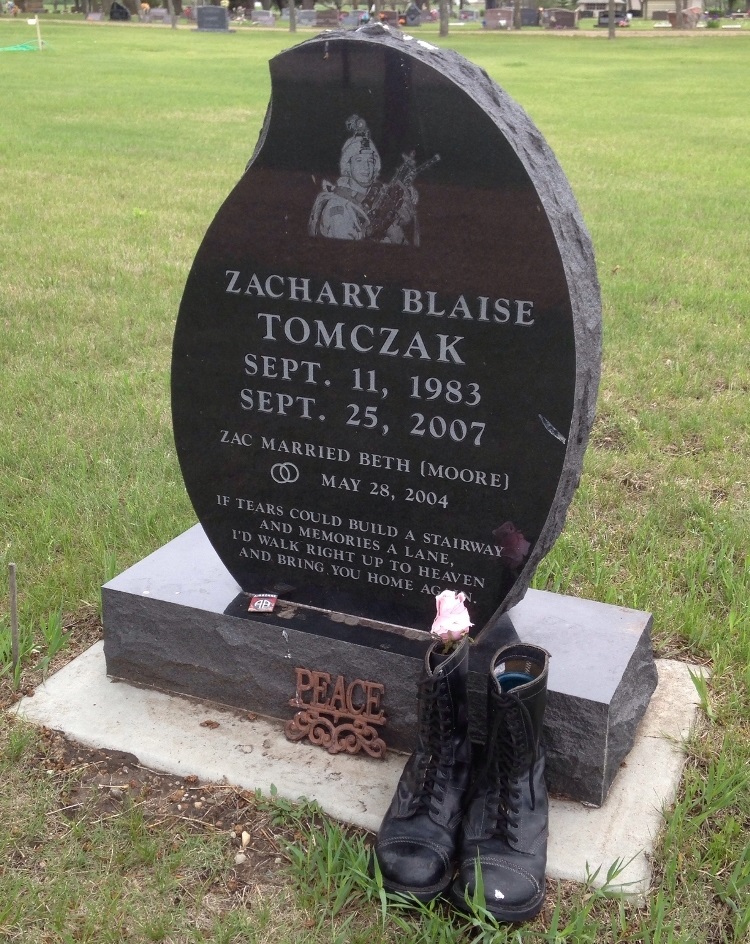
100,784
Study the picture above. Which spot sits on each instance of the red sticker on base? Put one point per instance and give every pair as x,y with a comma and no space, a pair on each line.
262,603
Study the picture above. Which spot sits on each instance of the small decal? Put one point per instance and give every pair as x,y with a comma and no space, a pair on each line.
262,603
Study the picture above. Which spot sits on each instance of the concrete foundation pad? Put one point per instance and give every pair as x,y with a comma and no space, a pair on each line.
165,733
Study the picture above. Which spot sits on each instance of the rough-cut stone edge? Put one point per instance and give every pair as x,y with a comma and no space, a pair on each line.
246,665
575,741
627,711
568,227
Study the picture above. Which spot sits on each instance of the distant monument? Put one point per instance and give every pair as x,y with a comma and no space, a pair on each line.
212,19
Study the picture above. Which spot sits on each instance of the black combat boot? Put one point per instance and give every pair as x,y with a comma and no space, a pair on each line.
505,827
416,844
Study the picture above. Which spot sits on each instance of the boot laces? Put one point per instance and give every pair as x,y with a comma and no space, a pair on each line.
513,749
435,736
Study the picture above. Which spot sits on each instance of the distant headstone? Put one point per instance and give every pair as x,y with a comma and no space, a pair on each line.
390,17
387,353
158,15
529,16
327,19
351,20
119,12
498,19
413,16
263,18
307,18
690,18
95,17
559,18
212,19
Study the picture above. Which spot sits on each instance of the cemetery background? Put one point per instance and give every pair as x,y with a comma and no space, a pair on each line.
650,15
111,175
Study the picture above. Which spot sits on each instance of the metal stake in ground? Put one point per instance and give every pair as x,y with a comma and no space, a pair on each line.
13,615
35,22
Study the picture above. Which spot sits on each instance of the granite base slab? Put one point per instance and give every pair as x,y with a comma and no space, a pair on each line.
167,733
178,621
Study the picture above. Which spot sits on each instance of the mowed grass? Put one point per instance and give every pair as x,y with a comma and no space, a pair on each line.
117,145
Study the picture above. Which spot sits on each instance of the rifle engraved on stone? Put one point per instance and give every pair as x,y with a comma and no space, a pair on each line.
384,210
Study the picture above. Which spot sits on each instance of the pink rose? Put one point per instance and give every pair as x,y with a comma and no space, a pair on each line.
452,621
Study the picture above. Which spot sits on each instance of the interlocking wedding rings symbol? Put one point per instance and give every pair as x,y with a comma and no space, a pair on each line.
284,473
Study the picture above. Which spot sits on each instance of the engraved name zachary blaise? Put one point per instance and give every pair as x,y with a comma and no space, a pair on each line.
363,296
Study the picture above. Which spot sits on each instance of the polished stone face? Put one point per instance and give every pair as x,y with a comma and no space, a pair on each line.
386,356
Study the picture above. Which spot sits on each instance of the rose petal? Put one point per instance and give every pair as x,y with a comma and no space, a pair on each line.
452,620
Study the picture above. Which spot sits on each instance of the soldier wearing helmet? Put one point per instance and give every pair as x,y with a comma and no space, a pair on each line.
342,210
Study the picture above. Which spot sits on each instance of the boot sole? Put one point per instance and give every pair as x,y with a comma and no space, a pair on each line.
513,916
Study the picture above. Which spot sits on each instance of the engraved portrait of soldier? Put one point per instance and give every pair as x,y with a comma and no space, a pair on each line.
361,206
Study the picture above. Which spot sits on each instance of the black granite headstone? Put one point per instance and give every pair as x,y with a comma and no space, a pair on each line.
213,19
119,12
560,18
386,358
413,16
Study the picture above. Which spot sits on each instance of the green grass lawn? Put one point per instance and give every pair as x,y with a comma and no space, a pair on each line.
117,145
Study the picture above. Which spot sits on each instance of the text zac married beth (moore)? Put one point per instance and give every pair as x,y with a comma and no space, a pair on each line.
369,460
